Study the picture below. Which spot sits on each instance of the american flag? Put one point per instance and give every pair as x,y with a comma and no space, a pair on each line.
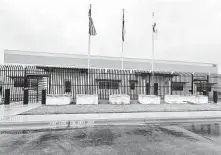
92,30
123,29
154,24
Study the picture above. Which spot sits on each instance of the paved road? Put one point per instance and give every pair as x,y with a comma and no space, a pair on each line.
109,140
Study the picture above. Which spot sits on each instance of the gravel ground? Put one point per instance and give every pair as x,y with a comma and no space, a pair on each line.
108,108
121,140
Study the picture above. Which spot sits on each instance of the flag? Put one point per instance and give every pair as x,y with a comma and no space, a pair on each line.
123,29
92,30
154,24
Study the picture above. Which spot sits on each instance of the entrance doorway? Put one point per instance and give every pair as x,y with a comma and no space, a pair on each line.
147,88
155,88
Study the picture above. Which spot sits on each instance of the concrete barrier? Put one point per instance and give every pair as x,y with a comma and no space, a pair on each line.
119,99
180,99
149,99
58,99
86,99
174,99
201,99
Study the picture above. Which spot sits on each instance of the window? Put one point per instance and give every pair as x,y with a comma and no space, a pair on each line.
108,85
19,82
177,86
0,90
102,85
33,83
132,85
113,85
67,86
202,88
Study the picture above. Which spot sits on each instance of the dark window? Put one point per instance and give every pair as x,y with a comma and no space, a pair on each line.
102,85
83,71
177,86
203,88
67,86
19,82
108,85
33,83
132,85
114,85
0,90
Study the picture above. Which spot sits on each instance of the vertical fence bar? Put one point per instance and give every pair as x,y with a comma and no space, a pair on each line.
207,86
171,85
37,90
49,89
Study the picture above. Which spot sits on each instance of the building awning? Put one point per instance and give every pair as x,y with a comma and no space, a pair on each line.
205,84
33,76
107,80
180,82
164,73
133,81
36,75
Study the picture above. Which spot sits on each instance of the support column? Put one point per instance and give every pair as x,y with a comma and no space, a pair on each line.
152,84
207,86
171,89
49,89
149,86
192,84
37,90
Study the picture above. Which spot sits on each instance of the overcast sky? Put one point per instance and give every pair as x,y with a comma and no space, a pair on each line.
188,30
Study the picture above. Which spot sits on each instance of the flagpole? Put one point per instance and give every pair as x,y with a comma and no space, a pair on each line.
122,56
152,65
89,49
122,46
89,54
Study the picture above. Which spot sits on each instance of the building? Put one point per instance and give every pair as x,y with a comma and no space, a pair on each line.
68,74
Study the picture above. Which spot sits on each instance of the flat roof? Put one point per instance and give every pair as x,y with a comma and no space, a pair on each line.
81,61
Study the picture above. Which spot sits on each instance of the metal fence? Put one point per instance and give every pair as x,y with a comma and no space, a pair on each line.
104,82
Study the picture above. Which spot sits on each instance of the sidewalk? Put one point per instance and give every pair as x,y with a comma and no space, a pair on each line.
15,109
111,108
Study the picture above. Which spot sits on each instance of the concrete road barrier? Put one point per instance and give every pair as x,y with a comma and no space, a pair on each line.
149,99
119,99
174,99
58,99
179,99
201,99
86,99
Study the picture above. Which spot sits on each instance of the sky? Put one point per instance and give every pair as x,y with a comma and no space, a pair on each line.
188,30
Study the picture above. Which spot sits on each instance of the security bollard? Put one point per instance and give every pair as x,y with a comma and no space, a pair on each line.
215,96
7,96
43,98
25,99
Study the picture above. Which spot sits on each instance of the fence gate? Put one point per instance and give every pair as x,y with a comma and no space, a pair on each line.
35,83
